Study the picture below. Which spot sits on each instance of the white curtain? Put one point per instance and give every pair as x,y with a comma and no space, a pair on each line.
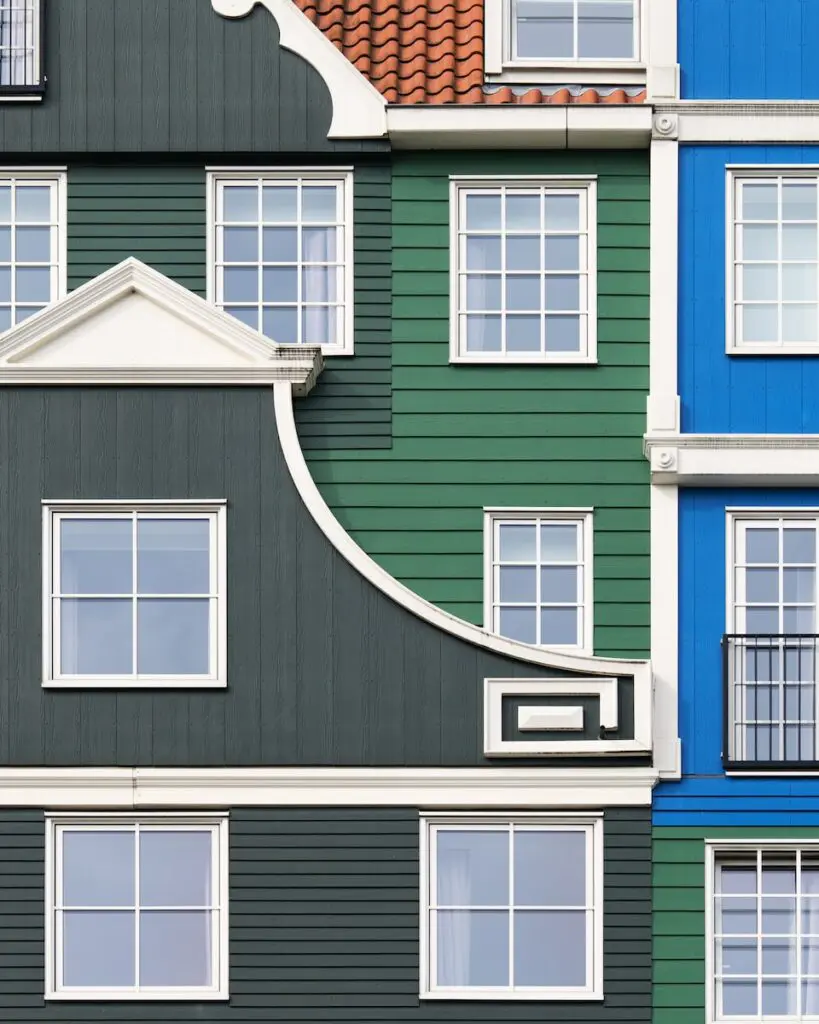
453,926
17,41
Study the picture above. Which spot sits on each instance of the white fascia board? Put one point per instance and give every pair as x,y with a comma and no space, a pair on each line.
757,460
219,788
507,126
341,540
738,121
358,107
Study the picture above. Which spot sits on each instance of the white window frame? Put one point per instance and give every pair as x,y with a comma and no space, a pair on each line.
341,176
592,825
216,823
52,177
584,517
33,79
735,176
55,511
716,849
586,187
502,66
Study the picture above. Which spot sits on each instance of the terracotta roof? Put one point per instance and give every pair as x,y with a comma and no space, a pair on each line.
427,51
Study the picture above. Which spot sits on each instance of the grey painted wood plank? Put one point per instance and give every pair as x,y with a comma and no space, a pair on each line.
210,80
265,61
73,83
127,75
5,575
238,92
183,77
157,58
100,98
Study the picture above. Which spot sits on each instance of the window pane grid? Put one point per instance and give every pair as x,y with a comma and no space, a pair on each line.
280,257
19,33
29,247
776,261
544,30
523,278
525,589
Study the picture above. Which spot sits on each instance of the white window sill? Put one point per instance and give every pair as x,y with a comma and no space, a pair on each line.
809,349
587,73
514,995
522,360
127,683
113,995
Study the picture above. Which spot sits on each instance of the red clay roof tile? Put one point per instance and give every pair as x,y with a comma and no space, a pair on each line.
428,51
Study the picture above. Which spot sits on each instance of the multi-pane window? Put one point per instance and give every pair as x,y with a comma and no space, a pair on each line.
771,650
19,43
30,244
765,941
539,576
592,30
137,908
775,262
524,286
512,908
135,595
282,256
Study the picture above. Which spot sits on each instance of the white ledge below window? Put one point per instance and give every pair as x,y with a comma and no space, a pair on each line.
708,460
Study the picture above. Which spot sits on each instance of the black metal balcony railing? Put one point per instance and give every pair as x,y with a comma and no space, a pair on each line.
770,709
21,36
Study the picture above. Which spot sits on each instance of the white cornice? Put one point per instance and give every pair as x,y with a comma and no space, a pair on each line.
541,126
358,107
310,495
731,121
760,460
133,325
217,788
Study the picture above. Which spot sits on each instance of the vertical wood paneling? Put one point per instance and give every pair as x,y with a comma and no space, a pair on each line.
100,101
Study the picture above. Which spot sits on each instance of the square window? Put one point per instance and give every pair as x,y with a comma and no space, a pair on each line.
136,908
512,908
281,254
538,576
135,594
524,272
773,254
578,31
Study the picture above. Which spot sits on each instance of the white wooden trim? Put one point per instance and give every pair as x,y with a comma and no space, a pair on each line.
584,517
758,460
709,931
136,789
52,511
737,121
359,110
586,185
592,825
663,79
664,526
310,495
218,826
341,176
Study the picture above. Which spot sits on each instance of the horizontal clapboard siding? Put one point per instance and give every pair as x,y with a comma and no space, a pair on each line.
465,437
324,925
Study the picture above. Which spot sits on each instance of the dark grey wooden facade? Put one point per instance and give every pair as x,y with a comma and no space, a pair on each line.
323,668
169,76
324,925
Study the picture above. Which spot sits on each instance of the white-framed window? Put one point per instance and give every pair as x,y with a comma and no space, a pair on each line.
523,281
771,622
32,242
773,260
280,253
134,594
546,31
511,907
137,906
19,44
762,915
538,576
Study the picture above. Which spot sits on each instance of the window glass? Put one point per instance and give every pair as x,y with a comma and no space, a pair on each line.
591,30
19,42
29,243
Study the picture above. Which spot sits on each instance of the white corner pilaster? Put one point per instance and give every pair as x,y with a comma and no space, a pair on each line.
662,71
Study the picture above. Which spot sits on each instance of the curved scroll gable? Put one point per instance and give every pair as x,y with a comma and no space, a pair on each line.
359,110
341,540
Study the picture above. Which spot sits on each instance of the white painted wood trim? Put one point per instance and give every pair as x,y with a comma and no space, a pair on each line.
664,519
131,789
359,110
661,48
759,460
737,121
406,598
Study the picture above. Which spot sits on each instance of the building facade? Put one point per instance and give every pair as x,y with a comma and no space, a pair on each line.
325,689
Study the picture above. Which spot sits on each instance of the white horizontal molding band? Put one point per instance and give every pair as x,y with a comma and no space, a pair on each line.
215,788
755,459
506,126
726,121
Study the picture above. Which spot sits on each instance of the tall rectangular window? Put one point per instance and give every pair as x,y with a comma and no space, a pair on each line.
523,285
19,44
135,595
282,257
512,908
538,576
136,908
772,644
574,30
764,941
32,241
773,279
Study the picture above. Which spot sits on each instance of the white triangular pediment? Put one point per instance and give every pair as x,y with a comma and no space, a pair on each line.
133,325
